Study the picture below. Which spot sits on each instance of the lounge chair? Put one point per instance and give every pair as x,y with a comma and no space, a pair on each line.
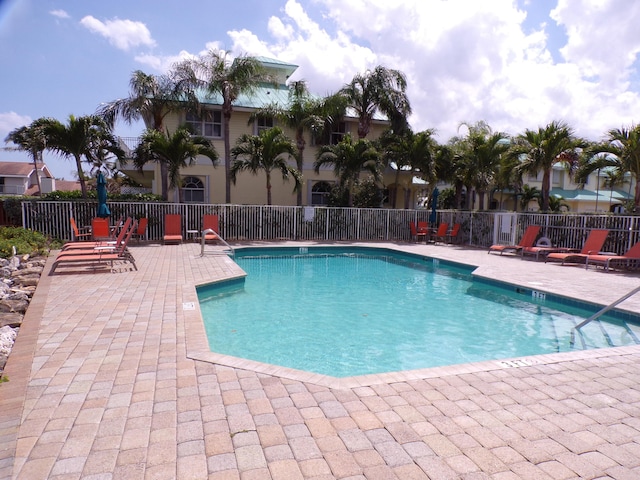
416,233
527,240
631,258
210,222
452,236
100,229
542,248
99,254
80,234
90,245
441,233
592,245
142,229
172,228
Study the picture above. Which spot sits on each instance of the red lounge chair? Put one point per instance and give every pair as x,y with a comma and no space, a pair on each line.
172,228
142,228
441,233
211,222
528,239
452,236
631,258
99,254
90,245
80,234
542,249
417,234
100,229
592,245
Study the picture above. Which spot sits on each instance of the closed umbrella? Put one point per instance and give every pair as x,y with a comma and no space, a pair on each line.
433,216
103,209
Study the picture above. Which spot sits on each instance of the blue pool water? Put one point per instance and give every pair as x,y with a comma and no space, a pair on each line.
358,311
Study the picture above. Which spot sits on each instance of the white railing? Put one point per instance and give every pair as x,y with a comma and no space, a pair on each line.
261,222
12,190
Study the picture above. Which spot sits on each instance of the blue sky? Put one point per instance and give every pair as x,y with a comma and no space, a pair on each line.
515,64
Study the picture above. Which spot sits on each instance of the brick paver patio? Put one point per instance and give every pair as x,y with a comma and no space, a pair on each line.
111,379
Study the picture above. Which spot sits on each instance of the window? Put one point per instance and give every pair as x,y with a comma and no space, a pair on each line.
332,136
535,177
338,133
209,124
192,190
264,123
320,193
556,177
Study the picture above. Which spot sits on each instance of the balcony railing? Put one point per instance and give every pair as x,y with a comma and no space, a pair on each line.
11,190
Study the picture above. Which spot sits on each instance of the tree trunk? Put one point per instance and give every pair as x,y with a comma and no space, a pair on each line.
300,143
83,186
546,184
227,157
268,174
164,181
458,195
35,165
395,193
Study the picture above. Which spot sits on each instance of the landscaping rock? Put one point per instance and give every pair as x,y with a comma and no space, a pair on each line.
19,277
10,319
7,338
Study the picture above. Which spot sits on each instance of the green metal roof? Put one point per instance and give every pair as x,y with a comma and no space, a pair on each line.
590,195
577,194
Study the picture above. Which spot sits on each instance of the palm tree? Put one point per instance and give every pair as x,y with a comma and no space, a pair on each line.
382,89
87,136
509,178
349,159
483,149
268,151
151,98
303,113
219,75
529,193
621,151
540,150
31,139
556,204
415,151
175,151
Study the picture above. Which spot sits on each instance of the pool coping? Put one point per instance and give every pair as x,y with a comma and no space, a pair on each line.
197,345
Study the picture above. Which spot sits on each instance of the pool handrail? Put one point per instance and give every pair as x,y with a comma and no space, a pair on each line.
203,240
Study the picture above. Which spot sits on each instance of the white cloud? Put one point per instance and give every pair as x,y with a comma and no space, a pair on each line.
10,121
467,61
122,34
603,38
59,13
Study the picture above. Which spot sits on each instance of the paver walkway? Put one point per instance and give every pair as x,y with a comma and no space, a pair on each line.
103,384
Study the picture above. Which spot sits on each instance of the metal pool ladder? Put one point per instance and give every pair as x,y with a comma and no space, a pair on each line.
228,251
601,312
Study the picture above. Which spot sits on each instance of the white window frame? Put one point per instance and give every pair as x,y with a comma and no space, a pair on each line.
320,195
263,123
208,125
189,191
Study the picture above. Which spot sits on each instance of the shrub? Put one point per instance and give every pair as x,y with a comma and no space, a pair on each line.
93,195
25,242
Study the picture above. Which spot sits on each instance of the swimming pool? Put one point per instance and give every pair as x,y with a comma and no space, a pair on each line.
356,311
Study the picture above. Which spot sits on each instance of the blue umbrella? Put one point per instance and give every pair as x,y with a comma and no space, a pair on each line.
433,216
103,209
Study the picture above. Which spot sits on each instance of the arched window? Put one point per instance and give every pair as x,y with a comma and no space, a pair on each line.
320,193
192,190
